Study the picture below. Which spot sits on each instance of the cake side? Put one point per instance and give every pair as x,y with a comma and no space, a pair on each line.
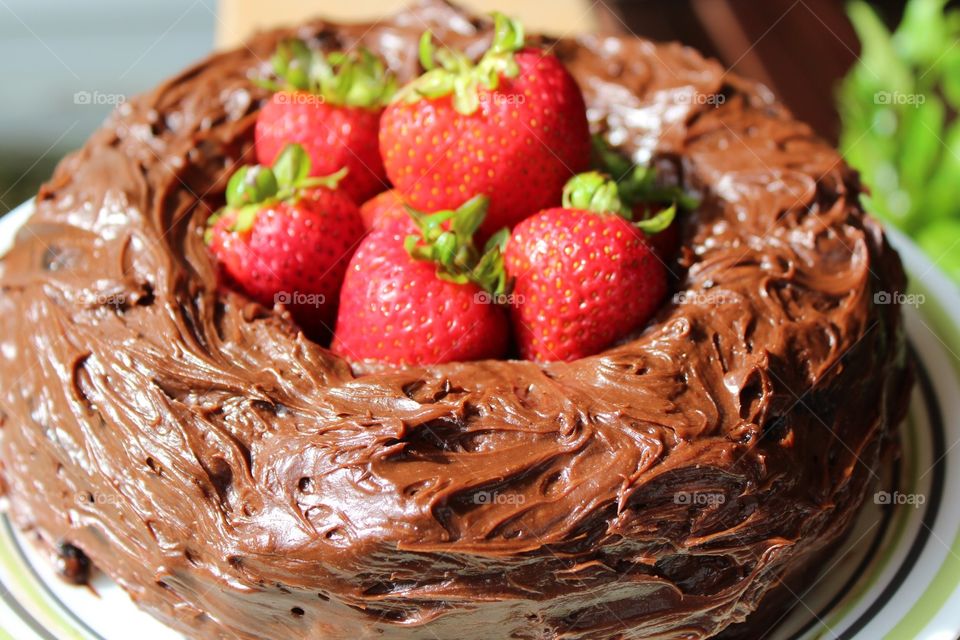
242,482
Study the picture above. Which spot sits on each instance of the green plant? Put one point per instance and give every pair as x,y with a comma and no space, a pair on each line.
899,110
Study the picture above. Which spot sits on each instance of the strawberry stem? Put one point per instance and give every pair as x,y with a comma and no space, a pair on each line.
599,193
593,191
638,183
449,72
253,187
356,78
446,238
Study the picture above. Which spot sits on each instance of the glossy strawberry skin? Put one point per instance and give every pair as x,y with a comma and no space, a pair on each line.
294,253
382,207
525,140
333,136
394,309
582,281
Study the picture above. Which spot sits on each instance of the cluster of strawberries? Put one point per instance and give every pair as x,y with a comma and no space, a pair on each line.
492,234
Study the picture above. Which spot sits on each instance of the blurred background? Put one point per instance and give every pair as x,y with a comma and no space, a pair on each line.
880,79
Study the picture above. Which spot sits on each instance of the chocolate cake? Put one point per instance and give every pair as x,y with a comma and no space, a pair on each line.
240,481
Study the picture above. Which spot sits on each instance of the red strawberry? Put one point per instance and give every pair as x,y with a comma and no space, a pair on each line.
513,127
285,237
383,206
331,105
419,294
584,275
638,188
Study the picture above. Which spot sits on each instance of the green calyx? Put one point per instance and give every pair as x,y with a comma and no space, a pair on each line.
449,72
253,187
598,192
638,183
446,238
356,78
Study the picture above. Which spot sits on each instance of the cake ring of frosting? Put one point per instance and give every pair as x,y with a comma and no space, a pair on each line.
240,481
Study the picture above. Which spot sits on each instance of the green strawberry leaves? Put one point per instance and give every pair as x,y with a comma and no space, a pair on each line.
638,183
250,185
594,191
599,193
658,222
356,78
450,72
446,238
292,166
253,187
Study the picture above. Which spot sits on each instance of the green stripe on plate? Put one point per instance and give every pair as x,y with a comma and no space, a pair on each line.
947,579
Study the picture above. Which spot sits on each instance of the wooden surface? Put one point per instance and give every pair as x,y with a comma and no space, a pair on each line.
240,18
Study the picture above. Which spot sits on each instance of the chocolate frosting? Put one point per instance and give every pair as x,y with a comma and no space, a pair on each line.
242,482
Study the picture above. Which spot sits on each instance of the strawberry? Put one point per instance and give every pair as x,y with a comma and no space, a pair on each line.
331,105
585,275
381,207
417,292
286,237
513,126
638,188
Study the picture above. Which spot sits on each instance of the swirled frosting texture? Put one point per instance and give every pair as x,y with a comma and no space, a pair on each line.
242,482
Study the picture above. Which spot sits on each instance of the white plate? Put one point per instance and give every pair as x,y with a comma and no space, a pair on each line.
896,577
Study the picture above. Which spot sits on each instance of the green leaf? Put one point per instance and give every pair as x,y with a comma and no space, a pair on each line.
466,99
469,216
331,181
245,217
942,193
457,75
920,148
251,185
951,77
435,84
593,191
355,78
941,241
508,35
497,241
446,247
451,246
427,51
292,166
922,35
609,159
659,222
878,56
